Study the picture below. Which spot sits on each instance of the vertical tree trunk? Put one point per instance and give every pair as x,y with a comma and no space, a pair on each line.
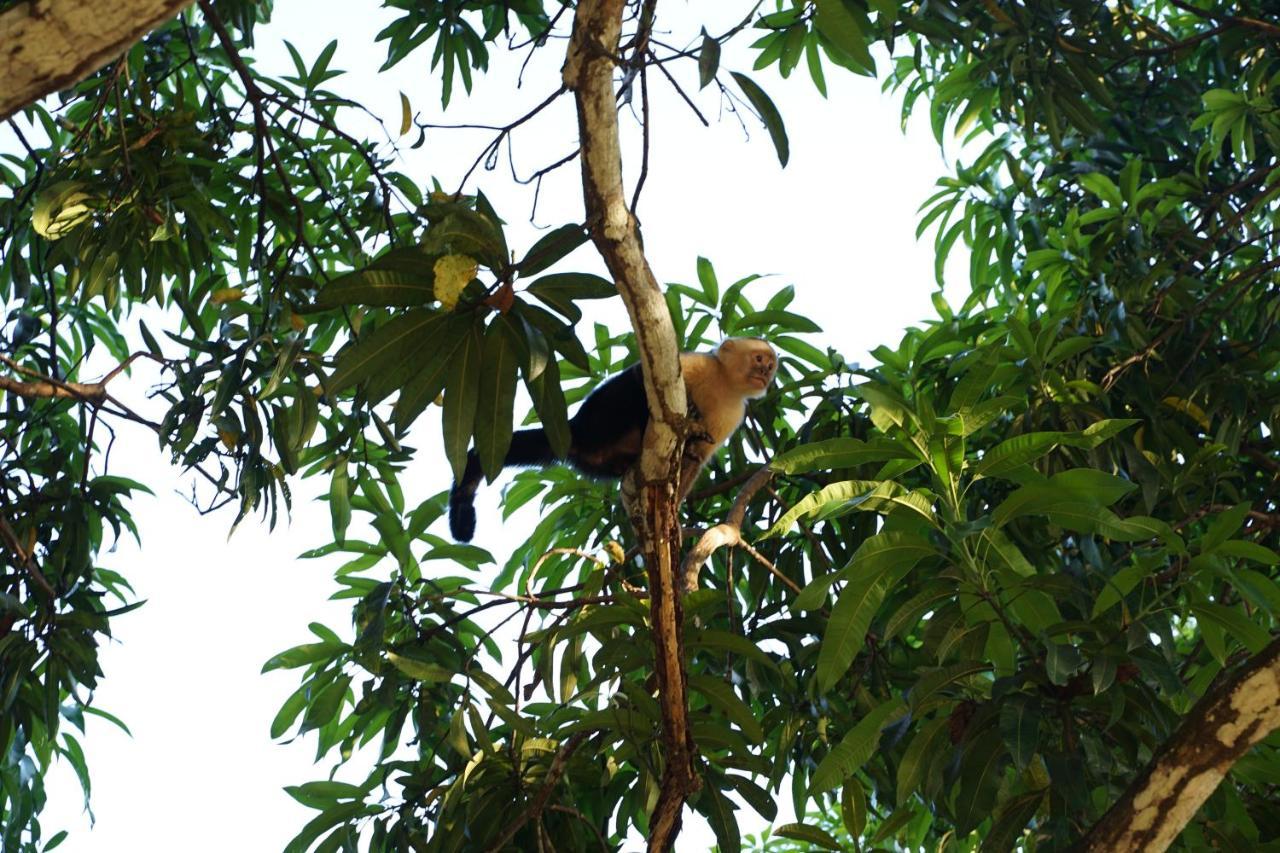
588,72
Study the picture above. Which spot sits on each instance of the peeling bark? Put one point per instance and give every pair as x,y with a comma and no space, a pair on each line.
1225,724
588,72
48,45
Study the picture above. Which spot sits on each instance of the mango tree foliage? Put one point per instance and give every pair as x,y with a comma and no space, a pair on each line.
992,571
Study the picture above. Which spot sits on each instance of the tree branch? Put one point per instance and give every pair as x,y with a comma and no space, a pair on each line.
1225,724
729,533
50,45
41,386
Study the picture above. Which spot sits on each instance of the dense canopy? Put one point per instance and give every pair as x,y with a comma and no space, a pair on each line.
1013,585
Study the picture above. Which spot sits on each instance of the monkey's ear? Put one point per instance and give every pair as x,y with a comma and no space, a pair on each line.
728,344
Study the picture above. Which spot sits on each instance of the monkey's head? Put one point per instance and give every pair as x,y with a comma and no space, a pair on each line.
750,364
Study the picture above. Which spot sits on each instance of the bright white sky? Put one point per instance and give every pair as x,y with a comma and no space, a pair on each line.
200,772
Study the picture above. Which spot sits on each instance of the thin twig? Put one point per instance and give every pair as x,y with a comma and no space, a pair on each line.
726,533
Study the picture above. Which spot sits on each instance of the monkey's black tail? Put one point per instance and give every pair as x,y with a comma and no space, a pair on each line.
528,447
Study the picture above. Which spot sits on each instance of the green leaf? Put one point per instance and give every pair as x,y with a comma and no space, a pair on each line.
553,247
390,348
918,756
734,644
854,749
496,403
719,812
431,372
1015,452
979,779
461,398
420,671
835,453
1251,635
846,631
708,60
466,232
1098,432
784,320
1118,586
1020,728
722,697
384,287
60,207
1061,662
406,114
814,594
1243,550
289,711
768,114
1224,526
835,21
326,705
755,795
325,790
707,278
340,500
548,401
1096,486
561,290
882,496
934,680
853,807
327,819
888,409
1010,822
808,833
303,655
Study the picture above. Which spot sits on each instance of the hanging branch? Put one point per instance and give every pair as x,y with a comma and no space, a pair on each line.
588,72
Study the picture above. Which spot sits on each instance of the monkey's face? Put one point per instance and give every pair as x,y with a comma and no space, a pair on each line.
751,364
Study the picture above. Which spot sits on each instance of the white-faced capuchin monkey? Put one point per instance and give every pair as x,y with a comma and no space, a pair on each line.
608,429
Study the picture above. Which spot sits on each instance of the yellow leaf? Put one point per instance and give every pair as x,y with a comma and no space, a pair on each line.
406,115
1189,409
227,294
60,208
453,273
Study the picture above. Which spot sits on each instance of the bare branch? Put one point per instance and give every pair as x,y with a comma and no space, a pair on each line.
92,393
729,533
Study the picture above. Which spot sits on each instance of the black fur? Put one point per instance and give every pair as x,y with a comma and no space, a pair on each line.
605,441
